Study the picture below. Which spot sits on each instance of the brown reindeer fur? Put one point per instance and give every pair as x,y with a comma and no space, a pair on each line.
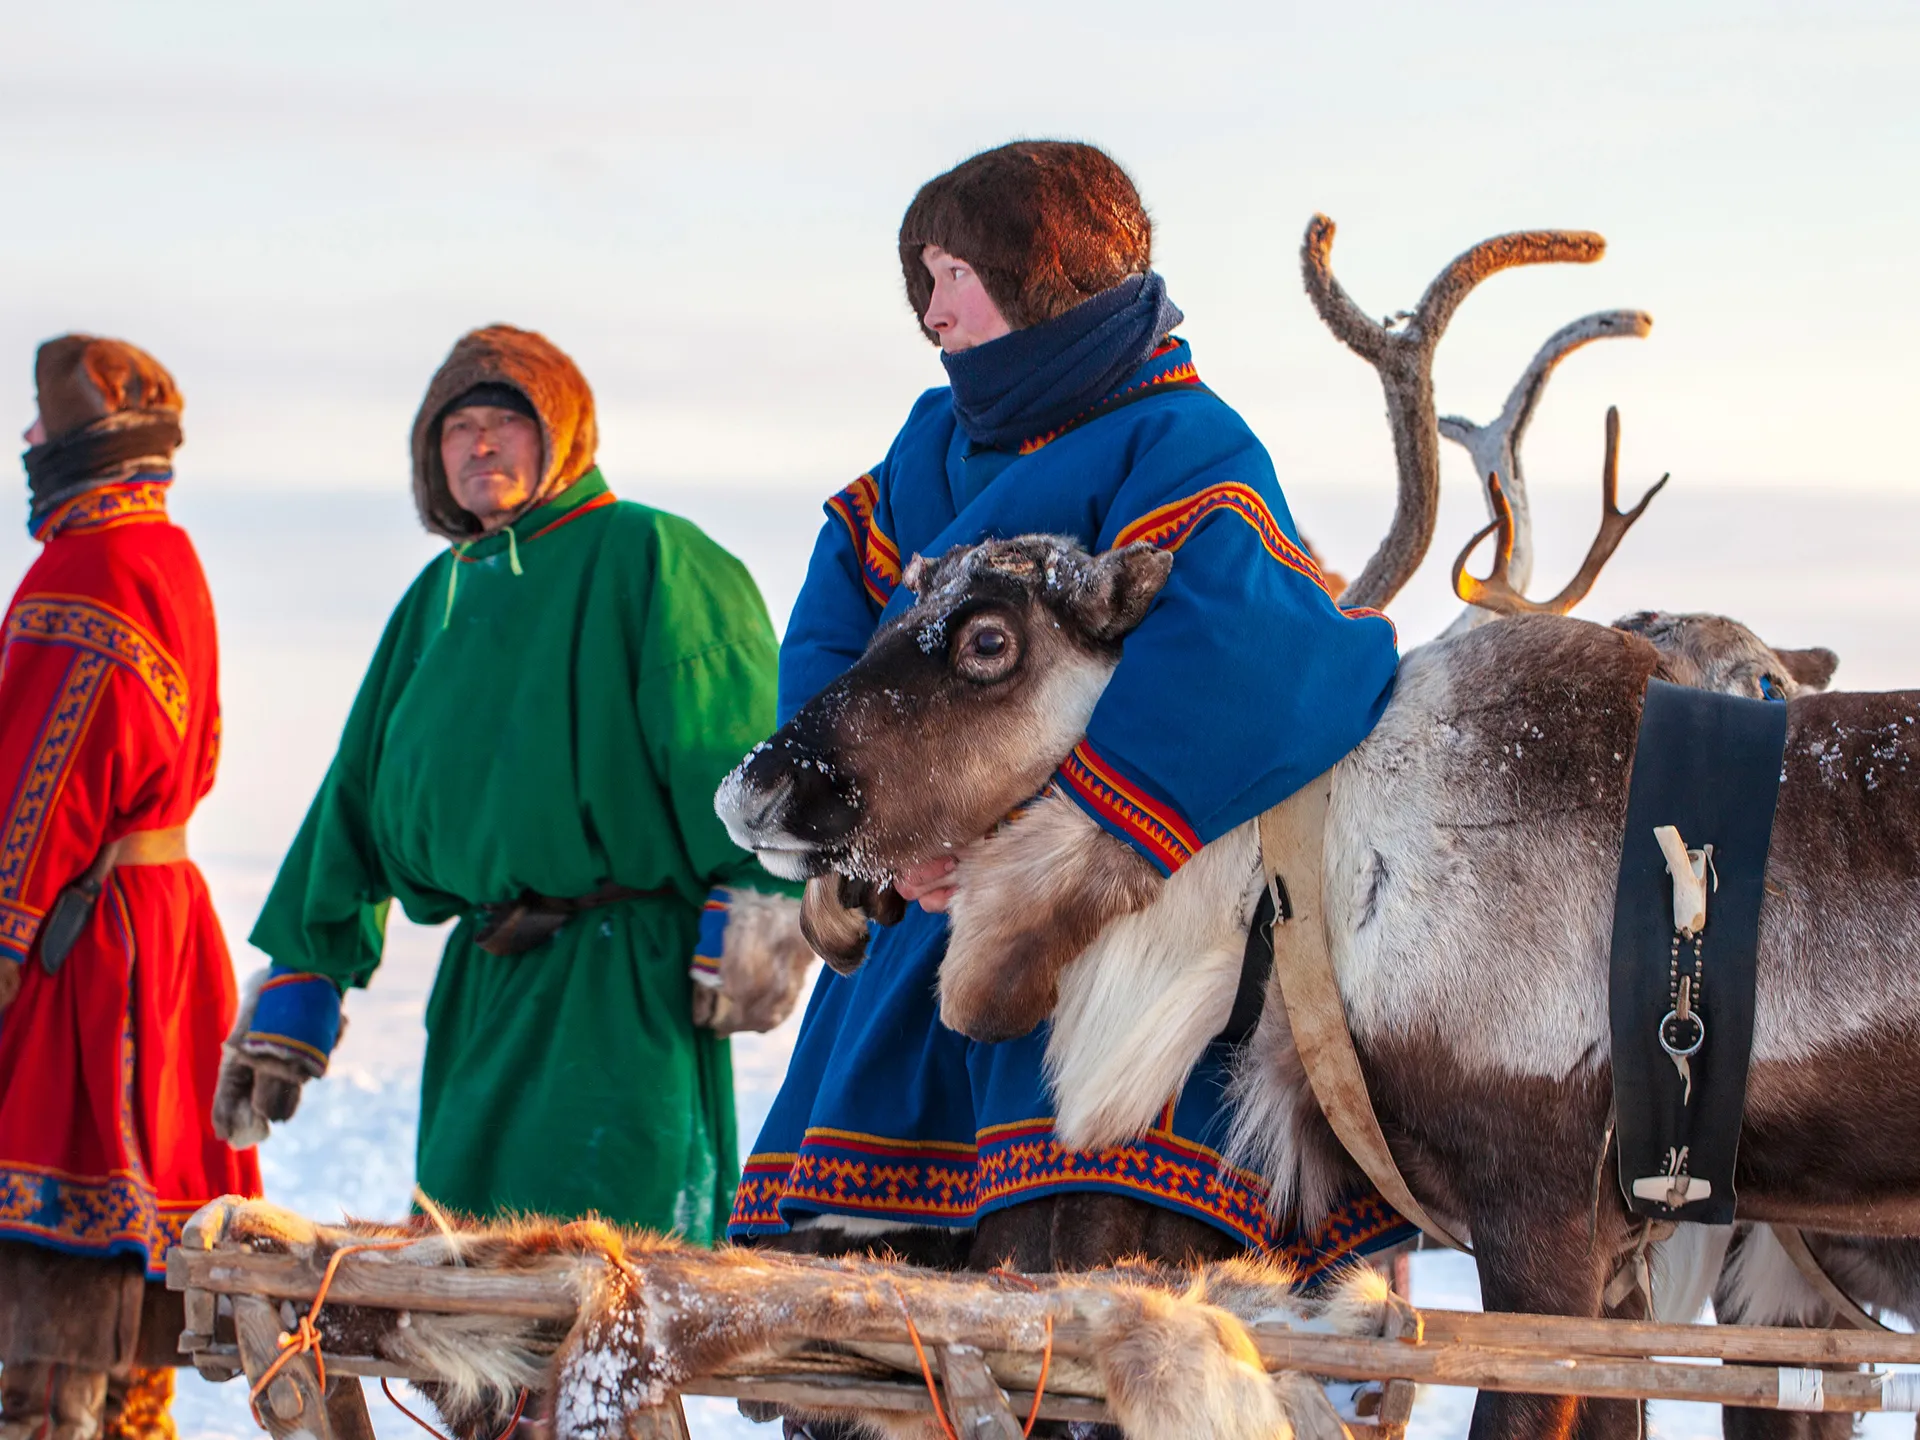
539,370
1032,896
1170,1345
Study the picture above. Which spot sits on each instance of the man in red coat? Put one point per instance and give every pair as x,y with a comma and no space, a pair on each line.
115,986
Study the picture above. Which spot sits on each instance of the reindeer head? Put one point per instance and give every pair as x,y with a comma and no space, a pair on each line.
1711,652
960,709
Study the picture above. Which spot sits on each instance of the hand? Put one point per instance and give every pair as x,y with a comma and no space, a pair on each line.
931,884
259,1086
9,982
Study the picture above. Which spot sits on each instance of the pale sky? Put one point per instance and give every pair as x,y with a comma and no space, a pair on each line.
298,208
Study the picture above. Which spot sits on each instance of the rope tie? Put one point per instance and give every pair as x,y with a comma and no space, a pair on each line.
926,1370
394,1400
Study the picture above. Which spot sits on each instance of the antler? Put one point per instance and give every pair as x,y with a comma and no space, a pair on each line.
1495,447
1498,594
1403,356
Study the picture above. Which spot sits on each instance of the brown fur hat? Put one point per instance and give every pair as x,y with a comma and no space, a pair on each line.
1045,224
538,369
83,378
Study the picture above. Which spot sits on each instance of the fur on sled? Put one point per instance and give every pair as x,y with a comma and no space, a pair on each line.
1171,1347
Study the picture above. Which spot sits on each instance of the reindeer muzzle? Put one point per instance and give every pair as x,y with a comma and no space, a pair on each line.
791,806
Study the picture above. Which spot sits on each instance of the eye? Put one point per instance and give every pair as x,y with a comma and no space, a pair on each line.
986,649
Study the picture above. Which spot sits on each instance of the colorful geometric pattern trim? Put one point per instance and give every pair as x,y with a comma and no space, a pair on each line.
139,501
713,938
18,925
1152,825
945,1183
1360,1223
298,1010
879,556
1023,1161
923,1182
1183,374
90,625
115,1213
1171,526
40,783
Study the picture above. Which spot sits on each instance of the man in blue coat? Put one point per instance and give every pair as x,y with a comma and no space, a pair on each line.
1072,409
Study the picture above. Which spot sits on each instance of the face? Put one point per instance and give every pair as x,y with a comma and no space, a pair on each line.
959,711
494,461
961,312
36,433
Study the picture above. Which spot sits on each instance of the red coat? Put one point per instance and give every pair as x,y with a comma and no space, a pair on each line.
110,723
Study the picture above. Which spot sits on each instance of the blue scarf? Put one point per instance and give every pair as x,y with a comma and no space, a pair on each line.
1027,383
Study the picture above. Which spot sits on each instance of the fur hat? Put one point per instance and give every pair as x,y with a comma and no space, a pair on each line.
83,378
1044,223
539,370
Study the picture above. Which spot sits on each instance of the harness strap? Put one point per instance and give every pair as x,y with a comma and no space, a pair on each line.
1292,856
1815,1274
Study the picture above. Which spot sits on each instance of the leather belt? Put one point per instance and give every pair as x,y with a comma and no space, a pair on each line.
513,927
74,905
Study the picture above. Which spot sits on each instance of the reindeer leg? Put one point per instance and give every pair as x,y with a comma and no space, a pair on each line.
1548,1266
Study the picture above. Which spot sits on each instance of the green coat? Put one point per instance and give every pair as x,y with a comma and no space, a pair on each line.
551,715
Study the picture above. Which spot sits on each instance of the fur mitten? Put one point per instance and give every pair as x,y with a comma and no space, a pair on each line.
750,963
285,1032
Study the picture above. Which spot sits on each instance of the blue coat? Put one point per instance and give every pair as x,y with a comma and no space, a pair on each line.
1244,682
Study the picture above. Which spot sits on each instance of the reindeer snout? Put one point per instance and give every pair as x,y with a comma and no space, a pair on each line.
791,806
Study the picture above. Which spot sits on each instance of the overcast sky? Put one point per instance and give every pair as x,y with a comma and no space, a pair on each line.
298,208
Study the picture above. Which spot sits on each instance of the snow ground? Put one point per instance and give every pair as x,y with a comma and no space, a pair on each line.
304,582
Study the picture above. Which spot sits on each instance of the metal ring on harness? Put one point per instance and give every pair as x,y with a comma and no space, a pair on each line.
1699,1034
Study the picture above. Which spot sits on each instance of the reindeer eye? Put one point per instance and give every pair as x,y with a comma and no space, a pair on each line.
987,648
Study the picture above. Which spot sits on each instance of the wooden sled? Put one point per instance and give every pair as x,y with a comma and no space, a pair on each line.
628,1324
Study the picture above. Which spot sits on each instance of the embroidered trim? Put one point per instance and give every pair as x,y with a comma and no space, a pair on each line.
40,782
141,500
1359,1223
299,1010
88,1215
947,1182
879,557
1172,525
1152,825
1181,374
18,925
90,625
713,939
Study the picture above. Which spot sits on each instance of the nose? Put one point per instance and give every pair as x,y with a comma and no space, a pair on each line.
789,794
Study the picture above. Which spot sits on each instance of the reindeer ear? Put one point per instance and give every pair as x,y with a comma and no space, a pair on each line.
1812,668
915,576
1116,589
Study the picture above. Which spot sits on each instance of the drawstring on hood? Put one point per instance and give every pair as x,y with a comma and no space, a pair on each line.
460,549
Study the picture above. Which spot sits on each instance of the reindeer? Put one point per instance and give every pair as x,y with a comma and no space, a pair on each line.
1470,855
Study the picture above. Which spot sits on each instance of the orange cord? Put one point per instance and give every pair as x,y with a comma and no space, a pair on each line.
1040,1386
394,1400
306,1338
926,1370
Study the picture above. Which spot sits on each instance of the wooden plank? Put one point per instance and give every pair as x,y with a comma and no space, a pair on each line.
893,1395
291,1404
659,1422
1567,1335
975,1403
528,1295
347,1415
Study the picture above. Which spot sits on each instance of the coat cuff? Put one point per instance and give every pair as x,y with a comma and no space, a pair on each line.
18,925
713,939
299,1011
1124,805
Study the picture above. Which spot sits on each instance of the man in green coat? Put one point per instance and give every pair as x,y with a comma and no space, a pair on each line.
534,752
